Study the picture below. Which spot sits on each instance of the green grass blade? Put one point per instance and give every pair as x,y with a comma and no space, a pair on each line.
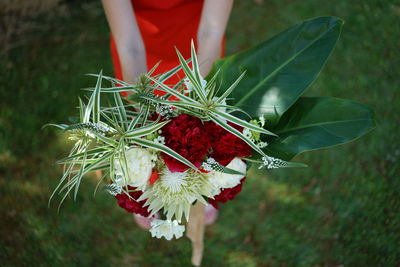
154,68
237,133
88,152
146,130
231,88
96,101
73,182
110,121
121,110
165,76
197,87
173,92
175,103
113,89
80,174
111,79
134,122
81,110
195,63
242,123
146,115
65,175
60,126
210,87
106,140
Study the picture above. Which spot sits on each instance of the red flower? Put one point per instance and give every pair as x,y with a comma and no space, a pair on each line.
225,145
187,136
226,194
130,204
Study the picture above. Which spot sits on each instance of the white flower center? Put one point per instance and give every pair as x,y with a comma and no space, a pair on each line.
174,181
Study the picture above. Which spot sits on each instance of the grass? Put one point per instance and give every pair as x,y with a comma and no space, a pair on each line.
341,211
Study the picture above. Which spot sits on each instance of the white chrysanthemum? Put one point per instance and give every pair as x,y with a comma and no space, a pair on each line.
176,192
138,168
167,229
221,180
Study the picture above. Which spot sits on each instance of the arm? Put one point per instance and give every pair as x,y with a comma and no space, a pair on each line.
211,31
126,33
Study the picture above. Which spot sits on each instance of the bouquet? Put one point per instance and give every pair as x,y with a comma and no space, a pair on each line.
169,146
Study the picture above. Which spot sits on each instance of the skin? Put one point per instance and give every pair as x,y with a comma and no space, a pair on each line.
121,19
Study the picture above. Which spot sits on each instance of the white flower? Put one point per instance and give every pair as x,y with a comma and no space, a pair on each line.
189,85
167,229
175,193
262,120
138,168
164,110
208,165
174,181
222,180
273,163
160,140
262,144
248,134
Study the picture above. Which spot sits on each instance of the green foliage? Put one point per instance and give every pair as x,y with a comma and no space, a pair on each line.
279,70
278,73
316,122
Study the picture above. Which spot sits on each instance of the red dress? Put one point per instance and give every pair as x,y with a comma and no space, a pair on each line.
164,25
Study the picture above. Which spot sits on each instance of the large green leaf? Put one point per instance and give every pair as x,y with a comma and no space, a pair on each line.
279,70
317,122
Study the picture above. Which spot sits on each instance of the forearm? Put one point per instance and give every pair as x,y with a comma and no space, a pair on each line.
133,63
209,50
211,32
131,51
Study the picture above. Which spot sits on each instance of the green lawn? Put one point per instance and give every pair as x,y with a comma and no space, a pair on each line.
343,210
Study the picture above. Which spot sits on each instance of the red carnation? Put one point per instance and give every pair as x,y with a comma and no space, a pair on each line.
130,204
225,145
226,194
187,136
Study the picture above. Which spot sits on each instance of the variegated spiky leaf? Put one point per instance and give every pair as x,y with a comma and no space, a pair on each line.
98,128
113,189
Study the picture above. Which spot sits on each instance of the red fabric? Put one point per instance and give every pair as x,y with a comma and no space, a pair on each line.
164,25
